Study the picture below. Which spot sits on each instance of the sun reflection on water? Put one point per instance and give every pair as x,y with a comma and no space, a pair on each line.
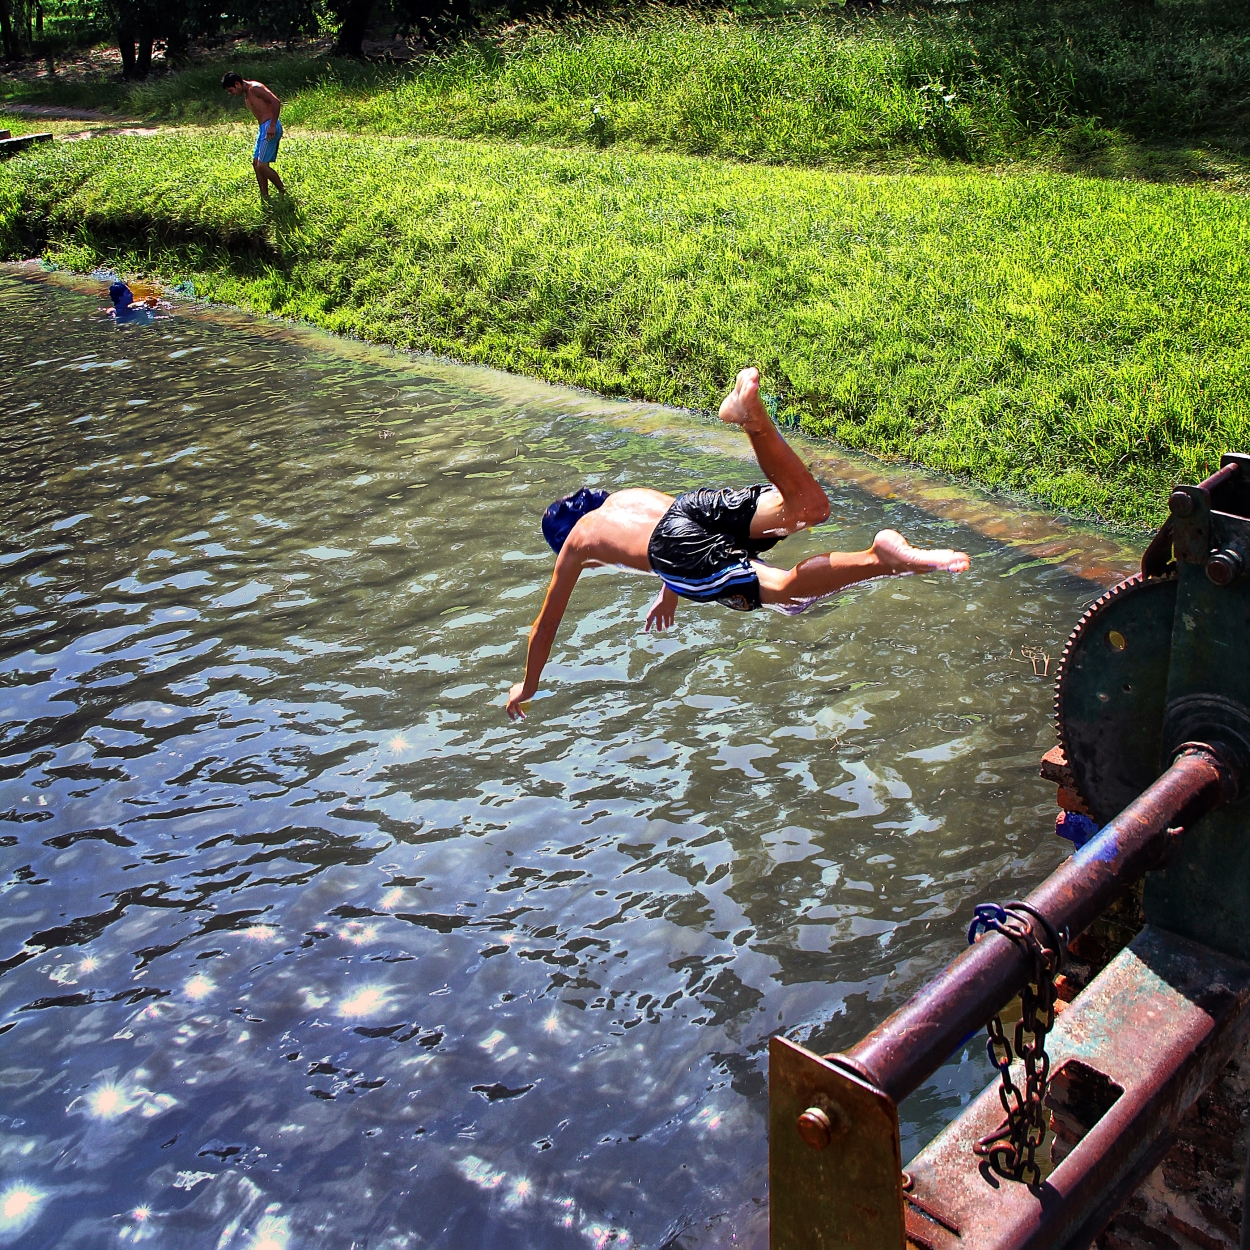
108,1102
272,1233
364,1002
199,987
18,1206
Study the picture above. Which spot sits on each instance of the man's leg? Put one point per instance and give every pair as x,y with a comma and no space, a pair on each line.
890,555
272,175
261,179
799,501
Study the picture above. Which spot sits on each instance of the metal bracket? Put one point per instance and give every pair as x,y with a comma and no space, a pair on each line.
1191,523
835,1180
1156,1025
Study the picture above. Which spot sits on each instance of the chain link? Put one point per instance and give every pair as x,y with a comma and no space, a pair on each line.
1011,1150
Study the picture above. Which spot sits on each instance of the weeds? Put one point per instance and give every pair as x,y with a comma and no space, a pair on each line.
1079,340
823,85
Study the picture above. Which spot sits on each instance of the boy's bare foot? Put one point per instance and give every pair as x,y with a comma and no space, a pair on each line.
897,555
743,406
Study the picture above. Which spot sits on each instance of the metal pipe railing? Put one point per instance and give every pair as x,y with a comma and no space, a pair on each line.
914,1042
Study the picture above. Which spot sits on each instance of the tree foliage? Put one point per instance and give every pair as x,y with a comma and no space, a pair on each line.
141,26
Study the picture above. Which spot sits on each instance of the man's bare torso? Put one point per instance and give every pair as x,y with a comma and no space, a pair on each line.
264,104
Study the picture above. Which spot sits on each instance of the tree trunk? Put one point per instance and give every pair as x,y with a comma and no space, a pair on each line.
355,20
126,46
11,50
177,45
143,62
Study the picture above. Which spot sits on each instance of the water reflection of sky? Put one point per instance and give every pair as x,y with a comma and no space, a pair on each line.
303,944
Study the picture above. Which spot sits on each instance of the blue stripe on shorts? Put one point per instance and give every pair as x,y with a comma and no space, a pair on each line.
266,148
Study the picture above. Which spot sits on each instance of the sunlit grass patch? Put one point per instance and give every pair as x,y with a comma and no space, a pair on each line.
1077,339
814,83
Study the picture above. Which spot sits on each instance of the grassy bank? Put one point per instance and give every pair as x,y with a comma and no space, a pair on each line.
1079,340
1064,82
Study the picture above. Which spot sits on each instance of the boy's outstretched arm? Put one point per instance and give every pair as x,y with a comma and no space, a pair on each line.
569,565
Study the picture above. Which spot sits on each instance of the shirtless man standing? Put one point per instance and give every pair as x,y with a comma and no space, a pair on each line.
265,108
704,545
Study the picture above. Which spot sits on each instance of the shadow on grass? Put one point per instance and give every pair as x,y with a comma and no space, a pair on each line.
1219,159
247,252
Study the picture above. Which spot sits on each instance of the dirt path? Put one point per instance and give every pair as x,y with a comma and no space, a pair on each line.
112,123
73,136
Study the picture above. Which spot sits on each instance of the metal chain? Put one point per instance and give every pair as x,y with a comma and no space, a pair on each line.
1011,1149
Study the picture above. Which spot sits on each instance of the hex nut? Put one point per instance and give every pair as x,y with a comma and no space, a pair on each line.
1181,503
815,1128
1225,567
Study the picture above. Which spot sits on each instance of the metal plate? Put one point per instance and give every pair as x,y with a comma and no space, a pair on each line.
1160,1021
1112,690
848,1195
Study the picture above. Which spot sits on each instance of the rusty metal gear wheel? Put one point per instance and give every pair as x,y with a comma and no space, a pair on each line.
1112,689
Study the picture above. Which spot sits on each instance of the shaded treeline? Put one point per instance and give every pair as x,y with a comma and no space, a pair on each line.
1057,82
139,26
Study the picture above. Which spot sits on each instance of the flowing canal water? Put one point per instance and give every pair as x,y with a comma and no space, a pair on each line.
305,945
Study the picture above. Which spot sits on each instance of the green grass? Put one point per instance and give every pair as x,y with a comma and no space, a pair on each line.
1064,83
19,124
1079,340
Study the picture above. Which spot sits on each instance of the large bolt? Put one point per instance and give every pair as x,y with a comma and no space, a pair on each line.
815,1128
1225,567
1181,504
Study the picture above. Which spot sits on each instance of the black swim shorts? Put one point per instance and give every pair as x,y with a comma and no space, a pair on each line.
702,547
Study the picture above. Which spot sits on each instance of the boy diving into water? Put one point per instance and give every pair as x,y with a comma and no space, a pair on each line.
704,545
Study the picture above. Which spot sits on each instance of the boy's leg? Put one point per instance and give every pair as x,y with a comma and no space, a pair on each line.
272,175
890,555
799,501
261,180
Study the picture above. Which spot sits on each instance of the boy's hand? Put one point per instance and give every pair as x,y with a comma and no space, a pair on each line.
517,696
662,612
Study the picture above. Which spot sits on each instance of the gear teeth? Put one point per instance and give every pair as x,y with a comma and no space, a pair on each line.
1120,588
1088,615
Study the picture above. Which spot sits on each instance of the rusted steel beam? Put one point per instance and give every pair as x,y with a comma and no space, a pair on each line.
908,1047
1220,476
1156,1025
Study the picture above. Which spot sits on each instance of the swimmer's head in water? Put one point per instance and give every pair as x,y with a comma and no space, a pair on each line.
121,295
559,519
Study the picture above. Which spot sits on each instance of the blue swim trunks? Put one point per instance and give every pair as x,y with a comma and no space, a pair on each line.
266,147
702,547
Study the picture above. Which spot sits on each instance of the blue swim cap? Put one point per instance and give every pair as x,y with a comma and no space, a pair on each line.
565,513
121,295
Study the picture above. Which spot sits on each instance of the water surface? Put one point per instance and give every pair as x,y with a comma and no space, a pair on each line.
305,945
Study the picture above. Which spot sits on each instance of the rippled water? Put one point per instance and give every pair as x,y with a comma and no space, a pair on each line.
304,944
